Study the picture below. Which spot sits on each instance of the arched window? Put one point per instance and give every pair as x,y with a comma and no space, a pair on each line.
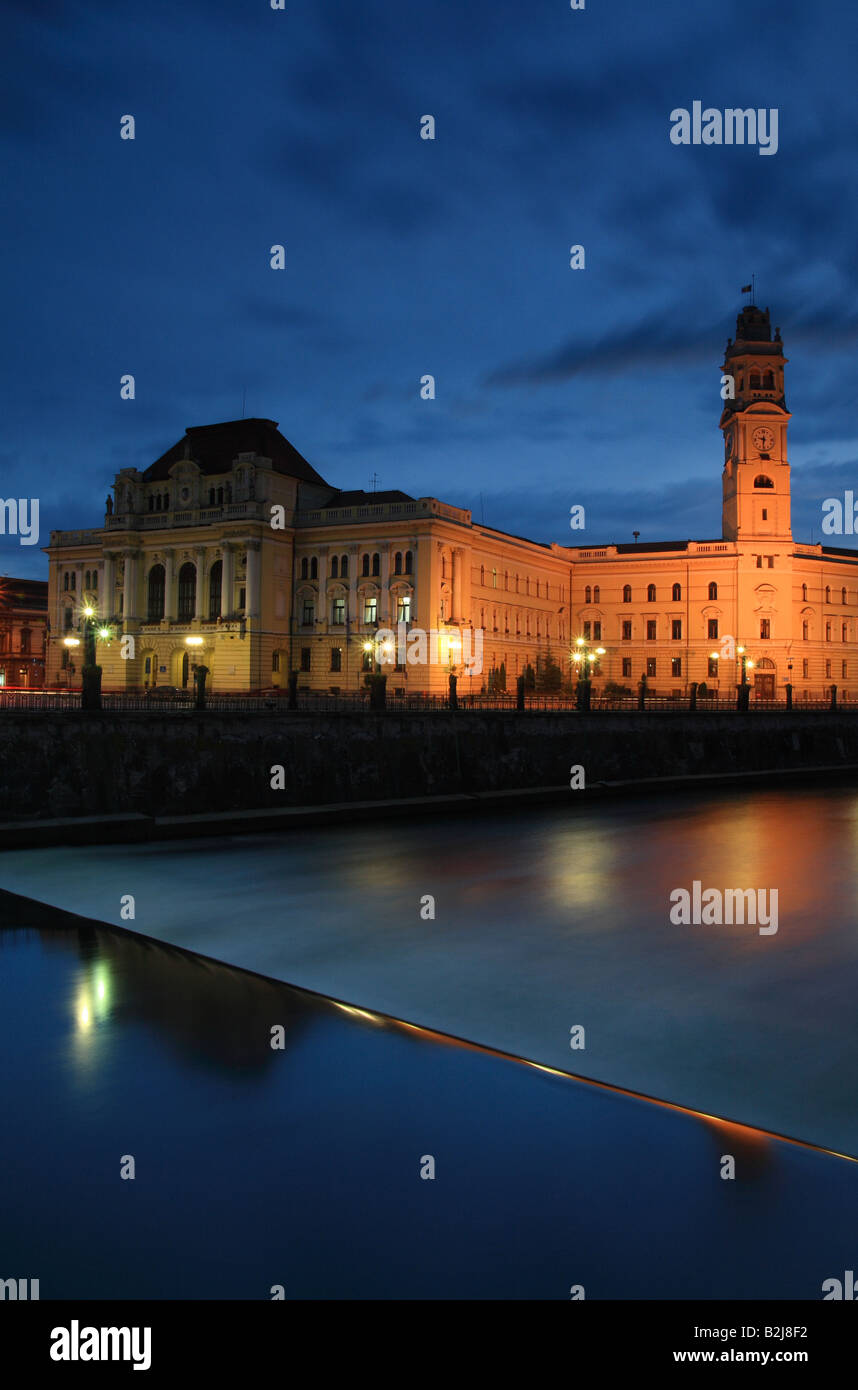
595,593
769,381
314,568
762,481
842,595
506,579
74,581
627,593
805,630
305,567
344,567
588,594
409,560
155,604
677,592
220,496
482,574
215,577
187,591
212,497
713,590
828,593
376,563
755,381
365,565
335,567
397,562
804,592
650,593
151,501
66,581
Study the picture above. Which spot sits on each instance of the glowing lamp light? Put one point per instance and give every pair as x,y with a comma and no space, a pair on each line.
750,665
740,650
600,651
367,646
89,612
714,656
104,633
193,641
579,641
71,641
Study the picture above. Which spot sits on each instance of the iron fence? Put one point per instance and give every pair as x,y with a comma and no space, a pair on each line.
321,702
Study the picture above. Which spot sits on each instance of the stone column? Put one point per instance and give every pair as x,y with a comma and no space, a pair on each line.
253,596
200,592
456,600
384,601
130,587
169,587
227,586
108,580
354,580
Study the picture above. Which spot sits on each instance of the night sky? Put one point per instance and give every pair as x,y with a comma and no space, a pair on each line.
405,256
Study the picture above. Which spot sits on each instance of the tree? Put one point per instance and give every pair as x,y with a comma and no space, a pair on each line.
548,673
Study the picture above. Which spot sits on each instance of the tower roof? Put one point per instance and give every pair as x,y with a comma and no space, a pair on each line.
214,447
754,334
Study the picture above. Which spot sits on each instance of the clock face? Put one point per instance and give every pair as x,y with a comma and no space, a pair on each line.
763,439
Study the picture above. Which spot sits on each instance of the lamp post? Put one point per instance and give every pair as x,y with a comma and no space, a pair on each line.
789,685
585,657
743,689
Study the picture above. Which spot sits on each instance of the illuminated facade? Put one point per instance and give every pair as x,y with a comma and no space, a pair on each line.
233,552
677,612
23,624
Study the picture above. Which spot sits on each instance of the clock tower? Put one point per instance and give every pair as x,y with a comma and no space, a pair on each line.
755,481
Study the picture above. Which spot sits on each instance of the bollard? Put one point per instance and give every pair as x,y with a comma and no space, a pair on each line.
788,689
200,673
90,690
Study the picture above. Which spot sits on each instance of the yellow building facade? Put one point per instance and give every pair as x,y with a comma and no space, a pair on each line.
679,612
231,551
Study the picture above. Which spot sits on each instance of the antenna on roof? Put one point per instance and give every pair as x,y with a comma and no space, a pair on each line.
636,534
243,400
374,481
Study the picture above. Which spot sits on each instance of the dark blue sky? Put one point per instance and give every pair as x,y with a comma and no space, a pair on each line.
406,257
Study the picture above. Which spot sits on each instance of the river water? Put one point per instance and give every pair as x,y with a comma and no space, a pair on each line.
544,920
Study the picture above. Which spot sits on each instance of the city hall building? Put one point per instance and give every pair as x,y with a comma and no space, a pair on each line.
231,551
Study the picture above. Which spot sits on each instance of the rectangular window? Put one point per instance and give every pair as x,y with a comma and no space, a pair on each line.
676,665
338,616
309,614
712,668
713,627
765,514
844,632
759,562
650,629
771,562
305,658
650,665
597,632
336,658
627,666
805,667
627,630
765,628
403,609
676,630
828,632
587,633
370,610
828,669
275,661
843,669
242,598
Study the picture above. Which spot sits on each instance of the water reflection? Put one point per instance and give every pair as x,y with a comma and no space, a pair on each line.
258,1166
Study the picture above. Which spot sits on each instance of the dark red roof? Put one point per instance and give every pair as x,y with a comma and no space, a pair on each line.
214,447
